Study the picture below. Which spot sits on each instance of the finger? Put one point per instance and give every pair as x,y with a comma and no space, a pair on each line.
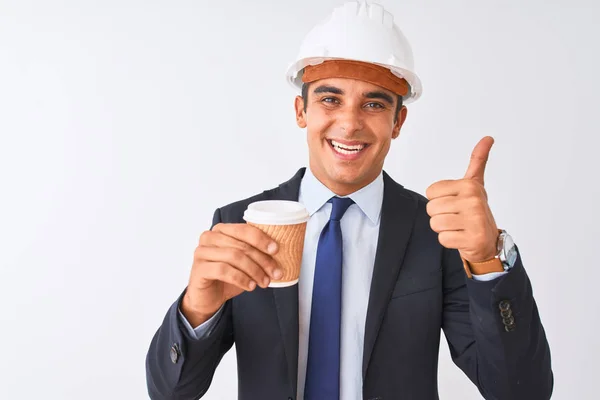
443,205
265,261
443,188
249,234
238,259
447,222
220,271
479,158
451,239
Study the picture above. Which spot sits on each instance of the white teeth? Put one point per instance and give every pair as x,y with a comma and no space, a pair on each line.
342,151
341,146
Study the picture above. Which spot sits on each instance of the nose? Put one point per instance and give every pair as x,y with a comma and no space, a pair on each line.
350,121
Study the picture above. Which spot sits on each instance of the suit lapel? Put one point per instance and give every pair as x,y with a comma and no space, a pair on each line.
397,217
286,299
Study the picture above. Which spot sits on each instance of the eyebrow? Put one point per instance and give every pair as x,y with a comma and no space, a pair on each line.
328,89
380,95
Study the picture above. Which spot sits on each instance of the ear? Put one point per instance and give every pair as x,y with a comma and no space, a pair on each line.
399,121
300,114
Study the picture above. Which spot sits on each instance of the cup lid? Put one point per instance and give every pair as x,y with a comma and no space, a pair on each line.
276,212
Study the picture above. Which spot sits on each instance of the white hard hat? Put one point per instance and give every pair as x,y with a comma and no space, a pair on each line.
362,32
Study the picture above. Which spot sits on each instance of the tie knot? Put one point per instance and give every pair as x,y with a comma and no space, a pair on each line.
340,205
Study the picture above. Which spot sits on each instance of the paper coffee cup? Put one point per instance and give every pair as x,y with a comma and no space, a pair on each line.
285,222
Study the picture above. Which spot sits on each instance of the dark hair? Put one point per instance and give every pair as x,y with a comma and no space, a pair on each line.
305,98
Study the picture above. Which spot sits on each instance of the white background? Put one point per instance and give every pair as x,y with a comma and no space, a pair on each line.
124,124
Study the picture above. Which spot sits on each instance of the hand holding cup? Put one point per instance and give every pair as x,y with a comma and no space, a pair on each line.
233,258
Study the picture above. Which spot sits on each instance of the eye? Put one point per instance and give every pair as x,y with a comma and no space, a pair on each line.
330,100
375,105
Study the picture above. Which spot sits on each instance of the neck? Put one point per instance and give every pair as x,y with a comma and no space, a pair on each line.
343,188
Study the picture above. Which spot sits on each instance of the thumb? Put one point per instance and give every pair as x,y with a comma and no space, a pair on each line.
479,159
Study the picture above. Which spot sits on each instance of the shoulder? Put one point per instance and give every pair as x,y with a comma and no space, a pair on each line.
396,189
234,212
419,198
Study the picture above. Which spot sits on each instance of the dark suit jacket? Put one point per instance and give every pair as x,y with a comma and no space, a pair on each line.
418,287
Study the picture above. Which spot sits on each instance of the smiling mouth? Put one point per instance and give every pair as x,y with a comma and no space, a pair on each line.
347,149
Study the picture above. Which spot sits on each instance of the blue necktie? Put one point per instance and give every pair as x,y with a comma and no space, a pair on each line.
323,365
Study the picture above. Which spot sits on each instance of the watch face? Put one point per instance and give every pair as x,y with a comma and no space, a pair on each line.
508,254
511,257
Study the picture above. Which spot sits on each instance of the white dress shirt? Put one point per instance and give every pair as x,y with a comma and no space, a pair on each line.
360,232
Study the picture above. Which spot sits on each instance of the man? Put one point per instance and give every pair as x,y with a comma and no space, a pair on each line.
407,267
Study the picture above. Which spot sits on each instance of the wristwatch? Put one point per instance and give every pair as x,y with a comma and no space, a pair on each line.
504,259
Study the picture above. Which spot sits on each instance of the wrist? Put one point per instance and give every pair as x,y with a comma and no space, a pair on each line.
194,316
503,259
484,257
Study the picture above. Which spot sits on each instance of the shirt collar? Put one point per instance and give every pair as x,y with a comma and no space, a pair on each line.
313,194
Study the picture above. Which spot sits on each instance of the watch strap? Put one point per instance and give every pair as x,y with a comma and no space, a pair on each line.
483,267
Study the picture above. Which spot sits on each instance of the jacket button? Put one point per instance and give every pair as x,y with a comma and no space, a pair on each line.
506,314
510,328
504,305
508,321
175,353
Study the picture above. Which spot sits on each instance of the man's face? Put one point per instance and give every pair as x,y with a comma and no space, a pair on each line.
350,125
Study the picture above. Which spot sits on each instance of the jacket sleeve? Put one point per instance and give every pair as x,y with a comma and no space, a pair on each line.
495,334
179,367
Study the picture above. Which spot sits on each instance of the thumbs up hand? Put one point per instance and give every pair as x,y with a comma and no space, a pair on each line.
460,213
